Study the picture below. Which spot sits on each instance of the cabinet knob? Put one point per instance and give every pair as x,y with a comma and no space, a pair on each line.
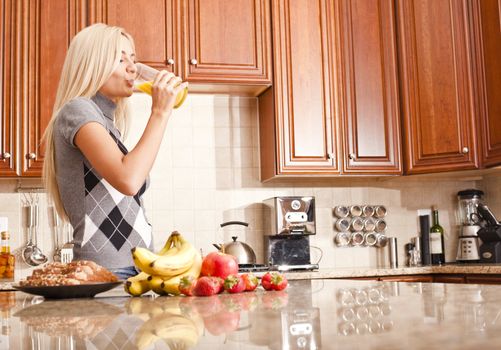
170,61
351,156
193,61
5,155
466,150
31,155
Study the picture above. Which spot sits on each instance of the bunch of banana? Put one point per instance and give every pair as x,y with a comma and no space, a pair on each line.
162,272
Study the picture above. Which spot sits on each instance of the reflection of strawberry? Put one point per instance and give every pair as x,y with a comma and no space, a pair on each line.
275,301
187,284
203,306
251,281
206,286
273,281
234,284
222,322
241,301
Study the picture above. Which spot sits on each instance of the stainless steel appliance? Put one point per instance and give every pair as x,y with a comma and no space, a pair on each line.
468,242
289,221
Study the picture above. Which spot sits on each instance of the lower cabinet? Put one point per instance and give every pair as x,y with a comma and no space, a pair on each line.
483,279
438,278
407,278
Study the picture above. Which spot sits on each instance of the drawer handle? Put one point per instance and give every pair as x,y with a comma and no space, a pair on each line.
31,155
466,150
193,61
170,61
5,155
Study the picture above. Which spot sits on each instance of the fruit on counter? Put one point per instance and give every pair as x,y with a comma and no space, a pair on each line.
171,285
251,281
186,285
207,286
219,265
162,272
234,284
273,281
137,285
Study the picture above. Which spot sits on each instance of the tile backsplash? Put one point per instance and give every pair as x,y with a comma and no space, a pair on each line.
207,172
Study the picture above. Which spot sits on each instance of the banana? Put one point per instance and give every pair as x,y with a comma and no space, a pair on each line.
185,334
155,284
137,285
143,257
172,265
171,285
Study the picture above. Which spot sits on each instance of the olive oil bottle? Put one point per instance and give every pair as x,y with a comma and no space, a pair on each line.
437,241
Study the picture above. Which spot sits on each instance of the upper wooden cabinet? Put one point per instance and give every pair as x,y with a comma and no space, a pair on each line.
333,107
486,25
36,35
436,86
226,41
204,41
153,24
366,60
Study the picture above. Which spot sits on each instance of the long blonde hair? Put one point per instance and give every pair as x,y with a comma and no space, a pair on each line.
93,55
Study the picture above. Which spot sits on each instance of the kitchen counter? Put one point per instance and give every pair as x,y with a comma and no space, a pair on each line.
386,271
309,314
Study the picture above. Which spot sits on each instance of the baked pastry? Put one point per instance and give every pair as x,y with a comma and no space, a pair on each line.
73,273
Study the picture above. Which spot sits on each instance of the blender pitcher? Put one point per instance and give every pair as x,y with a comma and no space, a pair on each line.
468,242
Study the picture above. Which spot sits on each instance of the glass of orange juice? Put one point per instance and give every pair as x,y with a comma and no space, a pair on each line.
144,81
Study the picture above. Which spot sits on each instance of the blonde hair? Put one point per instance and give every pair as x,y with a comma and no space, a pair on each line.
93,55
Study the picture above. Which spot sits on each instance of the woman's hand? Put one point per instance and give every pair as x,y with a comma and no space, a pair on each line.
164,91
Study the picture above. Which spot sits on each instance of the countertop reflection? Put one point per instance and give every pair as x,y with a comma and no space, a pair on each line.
309,314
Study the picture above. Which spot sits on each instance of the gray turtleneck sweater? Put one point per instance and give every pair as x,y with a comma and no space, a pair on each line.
106,223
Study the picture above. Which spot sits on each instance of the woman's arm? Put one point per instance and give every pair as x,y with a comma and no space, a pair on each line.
127,173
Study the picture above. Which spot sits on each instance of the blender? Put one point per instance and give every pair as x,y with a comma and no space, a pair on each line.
468,242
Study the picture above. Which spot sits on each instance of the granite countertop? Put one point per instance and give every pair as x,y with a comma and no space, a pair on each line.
309,314
354,272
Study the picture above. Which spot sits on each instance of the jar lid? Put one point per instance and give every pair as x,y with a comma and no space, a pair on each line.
470,193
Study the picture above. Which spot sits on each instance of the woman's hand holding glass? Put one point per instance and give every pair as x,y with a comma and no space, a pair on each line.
167,90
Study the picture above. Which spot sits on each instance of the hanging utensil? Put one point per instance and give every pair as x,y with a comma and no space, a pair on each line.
32,255
55,224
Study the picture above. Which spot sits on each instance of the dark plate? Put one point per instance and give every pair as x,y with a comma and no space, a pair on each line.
65,292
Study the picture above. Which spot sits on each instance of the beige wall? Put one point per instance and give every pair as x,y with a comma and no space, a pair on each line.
207,172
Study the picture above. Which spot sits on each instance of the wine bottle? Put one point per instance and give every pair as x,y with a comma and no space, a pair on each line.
437,241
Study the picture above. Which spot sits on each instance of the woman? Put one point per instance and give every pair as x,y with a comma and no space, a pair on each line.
94,182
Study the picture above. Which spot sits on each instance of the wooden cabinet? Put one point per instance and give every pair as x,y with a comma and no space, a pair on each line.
32,63
437,86
486,31
366,59
154,25
407,278
449,278
483,279
333,107
209,42
226,41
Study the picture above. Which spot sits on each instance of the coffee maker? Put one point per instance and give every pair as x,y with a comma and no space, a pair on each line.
490,234
289,221
468,243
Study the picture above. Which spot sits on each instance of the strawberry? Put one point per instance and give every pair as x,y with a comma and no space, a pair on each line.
220,282
251,282
234,284
186,285
273,281
206,286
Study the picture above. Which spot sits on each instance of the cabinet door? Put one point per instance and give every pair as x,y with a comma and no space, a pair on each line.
369,87
449,279
300,123
407,278
153,25
227,41
436,81
8,125
483,279
487,36
43,30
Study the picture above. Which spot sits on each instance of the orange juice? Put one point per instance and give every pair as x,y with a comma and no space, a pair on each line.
145,86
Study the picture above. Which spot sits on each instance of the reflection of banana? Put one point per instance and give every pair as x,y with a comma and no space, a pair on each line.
144,339
171,285
172,265
137,285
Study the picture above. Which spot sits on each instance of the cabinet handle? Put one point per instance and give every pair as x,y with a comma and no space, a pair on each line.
466,150
170,61
351,156
6,155
193,61
31,155
330,155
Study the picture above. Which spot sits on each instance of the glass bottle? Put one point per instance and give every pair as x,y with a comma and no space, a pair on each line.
437,241
7,260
